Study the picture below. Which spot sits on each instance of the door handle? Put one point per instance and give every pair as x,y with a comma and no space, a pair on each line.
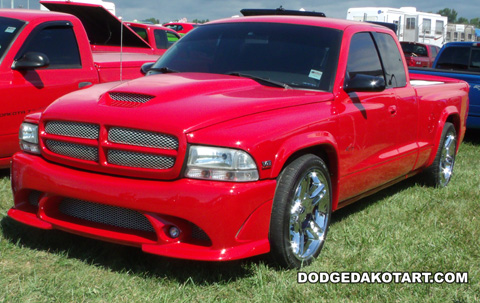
84,84
392,110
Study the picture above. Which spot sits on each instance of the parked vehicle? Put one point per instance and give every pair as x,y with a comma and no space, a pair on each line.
105,31
419,54
45,55
181,27
460,60
160,38
242,140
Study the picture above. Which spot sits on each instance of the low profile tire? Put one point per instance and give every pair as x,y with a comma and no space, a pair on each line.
301,212
440,172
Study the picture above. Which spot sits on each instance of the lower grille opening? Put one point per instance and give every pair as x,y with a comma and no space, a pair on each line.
199,237
34,197
105,214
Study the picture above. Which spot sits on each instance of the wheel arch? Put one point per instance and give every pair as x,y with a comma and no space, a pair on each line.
324,149
449,114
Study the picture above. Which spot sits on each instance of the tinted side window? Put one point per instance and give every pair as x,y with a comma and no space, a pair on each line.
171,39
363,57
141,32
160,39
475,62
392,60
59,44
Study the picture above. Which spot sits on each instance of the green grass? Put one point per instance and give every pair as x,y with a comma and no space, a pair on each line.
406,228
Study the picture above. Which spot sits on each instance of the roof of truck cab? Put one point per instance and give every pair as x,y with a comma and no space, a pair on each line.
339,24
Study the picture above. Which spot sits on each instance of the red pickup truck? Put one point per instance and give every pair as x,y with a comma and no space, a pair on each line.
419,54
241,141
104,29
45,55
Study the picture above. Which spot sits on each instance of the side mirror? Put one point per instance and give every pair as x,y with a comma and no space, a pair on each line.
146,67
365,83
31,60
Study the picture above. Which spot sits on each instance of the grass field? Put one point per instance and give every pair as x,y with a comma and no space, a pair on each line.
406,228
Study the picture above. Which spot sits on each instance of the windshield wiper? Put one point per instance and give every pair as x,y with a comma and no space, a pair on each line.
164,70
267,80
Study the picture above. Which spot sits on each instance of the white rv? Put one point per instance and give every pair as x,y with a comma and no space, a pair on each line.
110,6
412,25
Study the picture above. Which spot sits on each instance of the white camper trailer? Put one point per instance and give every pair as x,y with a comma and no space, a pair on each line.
110,6
412,25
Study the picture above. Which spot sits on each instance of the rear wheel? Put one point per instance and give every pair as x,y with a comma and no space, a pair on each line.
440,172
301,212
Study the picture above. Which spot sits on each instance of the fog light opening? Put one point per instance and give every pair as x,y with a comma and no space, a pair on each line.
174,232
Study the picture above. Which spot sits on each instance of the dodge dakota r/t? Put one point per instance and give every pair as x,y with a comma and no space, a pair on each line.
242,140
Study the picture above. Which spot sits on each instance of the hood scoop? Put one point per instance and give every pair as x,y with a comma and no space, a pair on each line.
120,99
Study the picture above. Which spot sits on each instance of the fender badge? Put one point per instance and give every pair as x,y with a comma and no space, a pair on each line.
267,164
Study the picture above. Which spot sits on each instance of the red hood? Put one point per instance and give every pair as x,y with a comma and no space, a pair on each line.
180,103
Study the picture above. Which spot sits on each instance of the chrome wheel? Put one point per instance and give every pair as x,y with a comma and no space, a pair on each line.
301,212
309,214
440,172
447,158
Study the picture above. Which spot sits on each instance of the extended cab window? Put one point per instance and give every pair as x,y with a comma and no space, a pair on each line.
58,43
392,60
363,57
475,61
164,39
9,29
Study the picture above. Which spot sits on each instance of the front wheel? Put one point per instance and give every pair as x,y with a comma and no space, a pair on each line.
440,172
301,212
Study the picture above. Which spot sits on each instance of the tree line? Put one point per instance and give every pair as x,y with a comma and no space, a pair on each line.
452,16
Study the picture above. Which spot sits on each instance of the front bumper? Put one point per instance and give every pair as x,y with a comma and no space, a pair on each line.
217,220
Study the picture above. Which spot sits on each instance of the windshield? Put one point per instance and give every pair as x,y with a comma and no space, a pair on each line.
9,29
296,55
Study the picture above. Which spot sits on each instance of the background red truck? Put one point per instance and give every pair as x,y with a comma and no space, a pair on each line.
419,54
104,29
243,139
45,55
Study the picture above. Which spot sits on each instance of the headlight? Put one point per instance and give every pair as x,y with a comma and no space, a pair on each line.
220,164
28,136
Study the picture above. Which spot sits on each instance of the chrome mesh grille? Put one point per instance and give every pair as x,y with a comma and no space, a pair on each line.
130,97
139,160
72,129
105,214
73,150
142,138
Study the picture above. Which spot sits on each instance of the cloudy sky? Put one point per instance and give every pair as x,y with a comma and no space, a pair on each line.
215,9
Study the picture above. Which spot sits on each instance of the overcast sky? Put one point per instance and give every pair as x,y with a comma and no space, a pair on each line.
215,9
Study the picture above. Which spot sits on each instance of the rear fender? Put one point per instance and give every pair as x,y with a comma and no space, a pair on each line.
449,114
